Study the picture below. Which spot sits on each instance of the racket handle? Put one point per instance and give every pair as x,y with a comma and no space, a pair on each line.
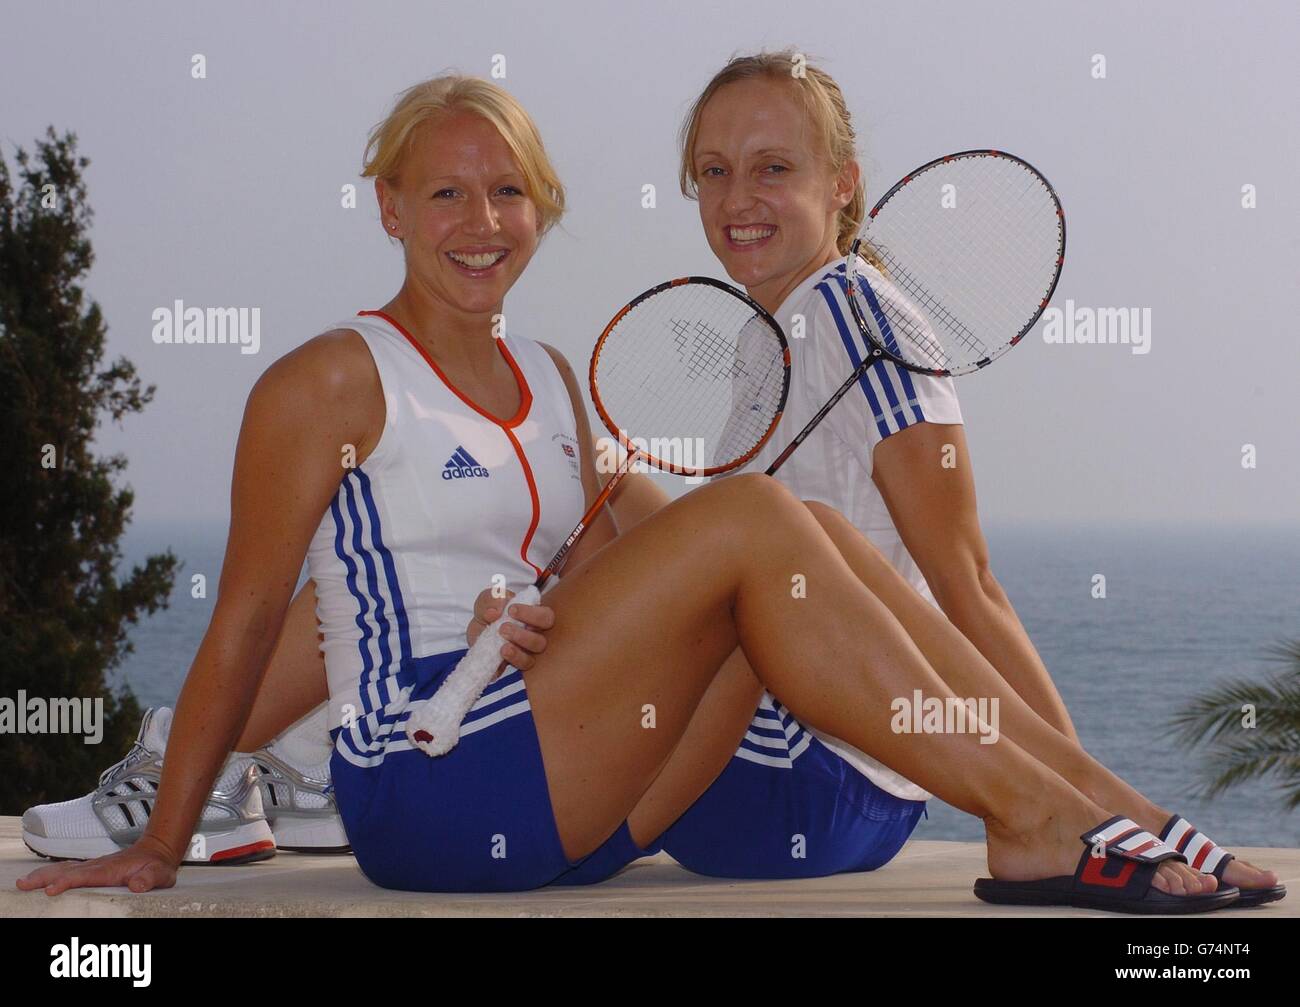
434,728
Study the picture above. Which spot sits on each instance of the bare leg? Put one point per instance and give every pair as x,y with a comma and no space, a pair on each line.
678,593
718,723
968,673
707,745
722,717
294,683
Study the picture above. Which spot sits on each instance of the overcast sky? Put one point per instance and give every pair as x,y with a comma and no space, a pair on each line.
226,191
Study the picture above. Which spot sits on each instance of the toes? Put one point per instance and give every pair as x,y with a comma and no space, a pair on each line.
1265,879
1199,883
1191,880
1169,881
1245,874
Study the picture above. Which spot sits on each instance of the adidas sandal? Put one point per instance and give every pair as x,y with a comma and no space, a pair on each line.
1205,855
1118,881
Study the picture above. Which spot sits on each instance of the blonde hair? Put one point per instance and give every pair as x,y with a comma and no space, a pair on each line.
822,101
439,97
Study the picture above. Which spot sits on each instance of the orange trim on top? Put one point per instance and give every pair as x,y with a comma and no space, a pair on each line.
507,426
532,492
525,392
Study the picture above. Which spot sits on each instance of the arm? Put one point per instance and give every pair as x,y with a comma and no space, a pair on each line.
933,508
298,416
602,529
294,682
636,498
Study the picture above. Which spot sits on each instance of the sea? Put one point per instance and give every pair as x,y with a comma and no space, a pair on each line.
1184,609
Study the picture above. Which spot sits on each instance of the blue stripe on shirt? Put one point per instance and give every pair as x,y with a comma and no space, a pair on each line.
850,347
891,344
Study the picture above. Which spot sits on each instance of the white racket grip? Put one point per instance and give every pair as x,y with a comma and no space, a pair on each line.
435,727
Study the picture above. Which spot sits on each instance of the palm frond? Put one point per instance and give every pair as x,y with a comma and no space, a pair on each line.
1288,652
1253,759
1269,748
1275,704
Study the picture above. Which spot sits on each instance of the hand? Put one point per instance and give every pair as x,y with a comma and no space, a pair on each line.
143,866
521,642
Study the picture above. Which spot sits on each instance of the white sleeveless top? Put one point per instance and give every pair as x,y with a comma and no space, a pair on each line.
450,498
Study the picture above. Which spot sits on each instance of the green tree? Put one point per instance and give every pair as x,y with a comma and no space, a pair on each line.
1265,747
64,612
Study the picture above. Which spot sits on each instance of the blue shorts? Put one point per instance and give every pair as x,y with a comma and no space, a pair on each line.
477,819
787,806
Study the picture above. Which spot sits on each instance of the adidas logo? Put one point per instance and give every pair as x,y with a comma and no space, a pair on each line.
461,465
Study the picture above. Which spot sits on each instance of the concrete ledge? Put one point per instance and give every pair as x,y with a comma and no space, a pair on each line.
926,879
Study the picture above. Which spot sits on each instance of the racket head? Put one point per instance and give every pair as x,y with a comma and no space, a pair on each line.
944,281
693,374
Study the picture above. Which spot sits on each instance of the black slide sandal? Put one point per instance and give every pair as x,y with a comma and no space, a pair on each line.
1204,854
1118,881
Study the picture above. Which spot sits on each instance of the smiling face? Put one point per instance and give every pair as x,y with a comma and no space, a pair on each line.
462,210
768,196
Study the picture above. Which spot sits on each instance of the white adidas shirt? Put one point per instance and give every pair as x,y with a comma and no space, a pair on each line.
834,464
449,498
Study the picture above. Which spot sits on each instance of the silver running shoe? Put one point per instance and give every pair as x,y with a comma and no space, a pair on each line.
281,793
299,803
233,829
297,791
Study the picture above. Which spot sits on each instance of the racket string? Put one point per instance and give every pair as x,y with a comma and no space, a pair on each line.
989,261
920,335
981,238
694,374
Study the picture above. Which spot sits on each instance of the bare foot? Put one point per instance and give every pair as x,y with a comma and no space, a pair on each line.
1051,848
1247,876
1239,873
1110,792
